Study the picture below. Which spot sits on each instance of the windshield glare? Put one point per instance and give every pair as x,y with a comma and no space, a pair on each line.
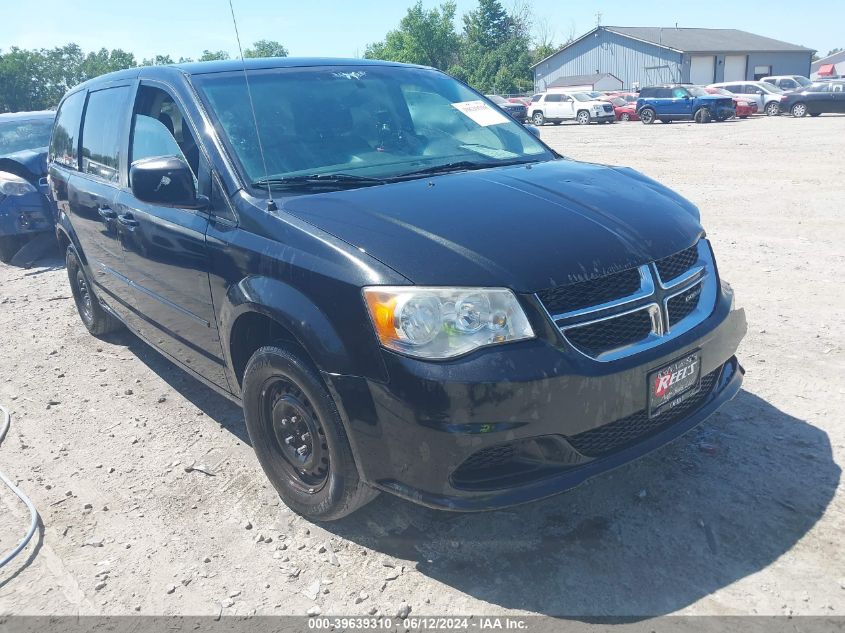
580,96
16,136
371,121
695,91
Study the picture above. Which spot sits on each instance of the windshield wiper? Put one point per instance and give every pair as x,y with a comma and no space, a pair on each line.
460,165
318,179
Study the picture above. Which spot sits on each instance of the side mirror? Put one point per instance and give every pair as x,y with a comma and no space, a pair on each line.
167,181
533,129
686,97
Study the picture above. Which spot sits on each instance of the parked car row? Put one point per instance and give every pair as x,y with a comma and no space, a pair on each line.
792,94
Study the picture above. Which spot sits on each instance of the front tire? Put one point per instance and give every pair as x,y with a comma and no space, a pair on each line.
702,115
647,116
625,117
95,319
538,119
798,110
583,117
299,438
772,108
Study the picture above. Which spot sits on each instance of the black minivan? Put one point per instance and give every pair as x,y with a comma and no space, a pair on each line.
405,289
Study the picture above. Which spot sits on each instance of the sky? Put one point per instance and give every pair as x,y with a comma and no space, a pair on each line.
335,28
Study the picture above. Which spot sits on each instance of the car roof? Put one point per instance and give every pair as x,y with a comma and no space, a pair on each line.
27,116
229,65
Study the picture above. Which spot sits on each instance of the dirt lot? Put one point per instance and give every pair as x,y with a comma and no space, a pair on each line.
744,515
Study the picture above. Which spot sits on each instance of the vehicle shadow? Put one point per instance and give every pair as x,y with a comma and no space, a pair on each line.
220,409
721,503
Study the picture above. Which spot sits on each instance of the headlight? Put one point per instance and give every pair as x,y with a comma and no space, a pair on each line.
439,323
11,185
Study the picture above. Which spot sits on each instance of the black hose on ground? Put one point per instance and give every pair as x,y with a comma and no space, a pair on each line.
5,423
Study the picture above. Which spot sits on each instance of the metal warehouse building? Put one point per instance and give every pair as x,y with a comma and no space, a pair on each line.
641,56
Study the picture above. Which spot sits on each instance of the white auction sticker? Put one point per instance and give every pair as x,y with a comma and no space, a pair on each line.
480,112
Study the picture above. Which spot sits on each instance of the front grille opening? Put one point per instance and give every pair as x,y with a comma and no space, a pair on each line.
604,336
676,265
585,294
682,305
515,463
636,427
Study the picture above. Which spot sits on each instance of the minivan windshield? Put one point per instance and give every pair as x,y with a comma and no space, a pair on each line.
359,125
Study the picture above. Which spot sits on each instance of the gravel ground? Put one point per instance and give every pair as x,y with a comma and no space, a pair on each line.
743,515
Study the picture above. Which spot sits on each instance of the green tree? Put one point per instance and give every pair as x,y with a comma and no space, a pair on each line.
266,48
209,56
424,36
158,60
495,48
833,51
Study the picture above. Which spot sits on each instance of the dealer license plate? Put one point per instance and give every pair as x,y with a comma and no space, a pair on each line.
670,385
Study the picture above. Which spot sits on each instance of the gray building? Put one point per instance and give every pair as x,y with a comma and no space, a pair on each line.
642,56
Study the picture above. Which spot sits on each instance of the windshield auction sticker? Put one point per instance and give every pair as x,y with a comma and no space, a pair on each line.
480,112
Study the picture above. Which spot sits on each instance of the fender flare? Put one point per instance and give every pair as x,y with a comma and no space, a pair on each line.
292,310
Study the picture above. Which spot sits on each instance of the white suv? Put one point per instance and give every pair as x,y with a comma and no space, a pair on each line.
562,106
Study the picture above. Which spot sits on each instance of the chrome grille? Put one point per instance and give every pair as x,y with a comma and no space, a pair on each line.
635,309
675,265
596,338
591,293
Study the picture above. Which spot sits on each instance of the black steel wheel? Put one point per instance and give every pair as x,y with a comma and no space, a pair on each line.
94,317
298,436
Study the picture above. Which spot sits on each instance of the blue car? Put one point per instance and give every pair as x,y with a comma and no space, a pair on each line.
682,103
25,204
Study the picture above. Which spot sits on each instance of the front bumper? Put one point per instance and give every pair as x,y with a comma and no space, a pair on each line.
26,214
604,116
411,435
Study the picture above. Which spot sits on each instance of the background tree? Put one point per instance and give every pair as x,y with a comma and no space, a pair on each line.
424,36
266,48
210,56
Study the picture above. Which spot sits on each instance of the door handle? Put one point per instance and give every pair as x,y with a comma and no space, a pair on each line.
106,213
127,220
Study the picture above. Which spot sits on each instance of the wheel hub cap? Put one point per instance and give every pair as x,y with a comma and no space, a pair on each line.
296,433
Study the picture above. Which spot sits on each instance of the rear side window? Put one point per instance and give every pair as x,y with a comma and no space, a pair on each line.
647,93
65,139
101,132
554,98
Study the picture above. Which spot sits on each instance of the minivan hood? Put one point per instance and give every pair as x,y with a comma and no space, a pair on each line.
524,227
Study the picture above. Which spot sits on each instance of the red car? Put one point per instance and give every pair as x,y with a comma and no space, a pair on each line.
624,109
744,109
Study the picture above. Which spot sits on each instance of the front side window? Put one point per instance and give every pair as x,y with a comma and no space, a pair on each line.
160,129
101,133
65,139
364,121
679,93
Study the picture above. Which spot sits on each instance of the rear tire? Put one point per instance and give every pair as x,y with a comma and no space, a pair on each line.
647,116
95,319
538,119
299,438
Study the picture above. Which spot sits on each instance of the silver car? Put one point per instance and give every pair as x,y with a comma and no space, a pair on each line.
765,95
